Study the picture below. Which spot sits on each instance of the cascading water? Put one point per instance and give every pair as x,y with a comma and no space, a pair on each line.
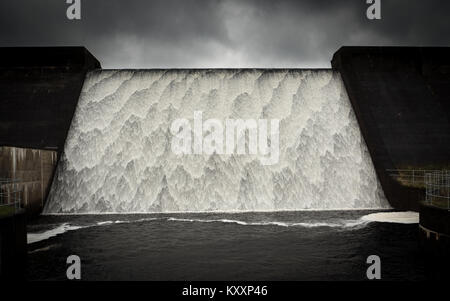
118,155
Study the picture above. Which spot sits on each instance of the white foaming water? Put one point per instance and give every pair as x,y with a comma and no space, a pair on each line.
63,228
358,223
118,157
407,217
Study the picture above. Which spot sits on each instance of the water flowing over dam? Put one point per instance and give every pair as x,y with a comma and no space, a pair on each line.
118,155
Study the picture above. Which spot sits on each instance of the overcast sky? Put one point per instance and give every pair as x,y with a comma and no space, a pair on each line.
228,33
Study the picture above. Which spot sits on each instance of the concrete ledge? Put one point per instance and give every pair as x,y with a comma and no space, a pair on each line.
435,219
434,240
47,57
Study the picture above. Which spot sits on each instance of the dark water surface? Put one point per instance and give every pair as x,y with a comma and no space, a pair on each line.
302,245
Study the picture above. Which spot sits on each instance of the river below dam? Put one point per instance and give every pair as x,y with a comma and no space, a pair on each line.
288,245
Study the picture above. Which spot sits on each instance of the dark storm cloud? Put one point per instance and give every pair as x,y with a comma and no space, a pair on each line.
213,33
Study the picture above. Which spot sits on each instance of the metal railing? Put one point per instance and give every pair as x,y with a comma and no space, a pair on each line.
10,194
435,182
437,185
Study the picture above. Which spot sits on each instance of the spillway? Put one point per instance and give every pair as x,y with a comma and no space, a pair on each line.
118,155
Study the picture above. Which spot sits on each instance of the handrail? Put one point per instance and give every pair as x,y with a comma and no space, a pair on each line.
437,185
435,182
411,176
10,193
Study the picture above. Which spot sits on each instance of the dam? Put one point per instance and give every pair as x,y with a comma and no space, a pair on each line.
93,152
397,95
118,157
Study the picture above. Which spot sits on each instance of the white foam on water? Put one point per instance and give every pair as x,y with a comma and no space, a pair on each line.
105,223
406,217
315,224
63,228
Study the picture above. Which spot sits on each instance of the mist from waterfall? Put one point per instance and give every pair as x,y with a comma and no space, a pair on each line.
118,156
